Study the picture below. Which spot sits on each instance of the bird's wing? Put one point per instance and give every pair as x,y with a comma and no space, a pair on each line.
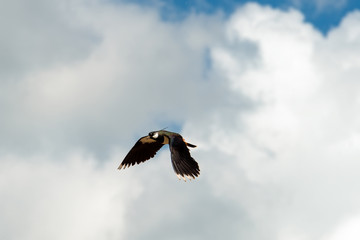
184,165
144,149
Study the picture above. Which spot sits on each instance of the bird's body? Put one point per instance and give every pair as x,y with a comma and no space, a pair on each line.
146,147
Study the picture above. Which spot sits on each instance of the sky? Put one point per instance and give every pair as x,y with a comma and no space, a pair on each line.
268,91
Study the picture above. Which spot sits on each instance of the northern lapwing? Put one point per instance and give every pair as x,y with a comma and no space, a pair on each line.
146,147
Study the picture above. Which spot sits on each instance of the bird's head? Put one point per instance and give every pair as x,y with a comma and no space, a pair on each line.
154,135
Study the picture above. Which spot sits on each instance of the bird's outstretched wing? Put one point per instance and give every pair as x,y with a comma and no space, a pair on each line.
184,165
144,149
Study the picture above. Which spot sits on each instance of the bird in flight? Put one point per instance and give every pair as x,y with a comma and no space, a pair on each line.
146,147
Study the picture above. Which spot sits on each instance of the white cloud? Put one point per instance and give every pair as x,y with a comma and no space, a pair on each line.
270,102
348,229
299,144
137,64
73,199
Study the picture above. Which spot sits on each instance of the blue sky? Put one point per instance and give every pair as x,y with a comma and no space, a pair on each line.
324,15
272,103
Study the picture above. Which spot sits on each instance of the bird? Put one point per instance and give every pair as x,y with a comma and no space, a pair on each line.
146,147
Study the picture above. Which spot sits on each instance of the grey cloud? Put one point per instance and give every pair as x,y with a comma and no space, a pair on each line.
40,34
87,102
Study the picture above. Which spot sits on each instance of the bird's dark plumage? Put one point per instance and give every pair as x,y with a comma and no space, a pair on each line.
146,147
183,163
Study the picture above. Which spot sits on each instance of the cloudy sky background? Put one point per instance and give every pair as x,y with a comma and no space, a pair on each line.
269,93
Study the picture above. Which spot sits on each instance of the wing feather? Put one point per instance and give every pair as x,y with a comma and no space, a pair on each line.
144,149
183,164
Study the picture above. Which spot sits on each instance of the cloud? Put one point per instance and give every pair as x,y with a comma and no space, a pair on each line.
73,199
84,102
40,35
298,145
348,230
270,102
